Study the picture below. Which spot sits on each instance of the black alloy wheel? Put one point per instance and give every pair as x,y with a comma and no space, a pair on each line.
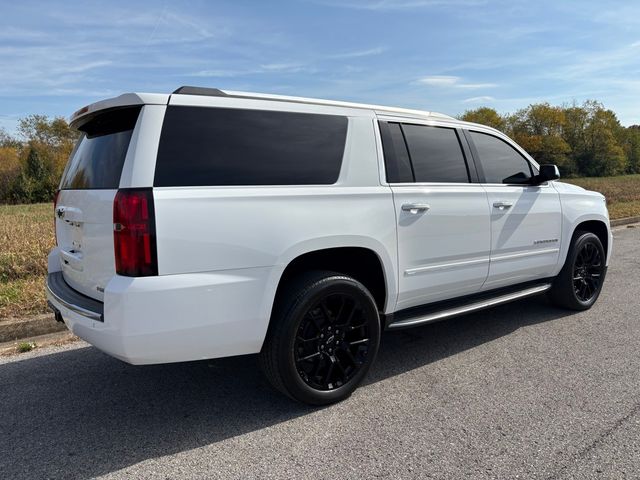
322,339
580,281
587,272
332,342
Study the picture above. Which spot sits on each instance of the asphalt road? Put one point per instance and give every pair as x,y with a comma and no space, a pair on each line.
520,391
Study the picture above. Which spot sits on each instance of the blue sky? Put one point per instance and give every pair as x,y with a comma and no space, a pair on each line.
442,55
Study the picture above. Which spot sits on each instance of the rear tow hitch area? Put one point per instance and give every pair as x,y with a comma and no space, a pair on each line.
56,313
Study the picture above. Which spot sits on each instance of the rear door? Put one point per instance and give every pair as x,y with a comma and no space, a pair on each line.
84,208
442,218
525,219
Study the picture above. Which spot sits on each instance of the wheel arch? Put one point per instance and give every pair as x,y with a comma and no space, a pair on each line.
597,227
361,263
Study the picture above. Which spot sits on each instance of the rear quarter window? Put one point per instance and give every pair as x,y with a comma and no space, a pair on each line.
97,159
205,146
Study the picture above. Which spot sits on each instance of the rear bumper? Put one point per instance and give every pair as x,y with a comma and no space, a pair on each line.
170,318
63,295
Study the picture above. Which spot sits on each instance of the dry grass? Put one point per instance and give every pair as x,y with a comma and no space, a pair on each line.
623,193
26,236
22,298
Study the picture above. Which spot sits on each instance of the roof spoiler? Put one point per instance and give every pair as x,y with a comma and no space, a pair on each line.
124,100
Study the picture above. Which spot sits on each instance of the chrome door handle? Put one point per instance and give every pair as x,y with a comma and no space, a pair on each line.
415,207
502,205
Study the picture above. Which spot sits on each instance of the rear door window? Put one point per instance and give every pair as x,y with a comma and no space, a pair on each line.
436,154
97,159
499,161
204,146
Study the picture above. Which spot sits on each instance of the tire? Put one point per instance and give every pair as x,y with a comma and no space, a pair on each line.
323,338
579,283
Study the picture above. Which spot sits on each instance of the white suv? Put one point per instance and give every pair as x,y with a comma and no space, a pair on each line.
211,223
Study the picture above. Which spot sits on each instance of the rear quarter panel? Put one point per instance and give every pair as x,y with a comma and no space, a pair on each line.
212,229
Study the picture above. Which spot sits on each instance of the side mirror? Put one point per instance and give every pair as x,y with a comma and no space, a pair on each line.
547,172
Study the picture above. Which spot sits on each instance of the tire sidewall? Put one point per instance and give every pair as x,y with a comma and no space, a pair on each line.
578,244
320,289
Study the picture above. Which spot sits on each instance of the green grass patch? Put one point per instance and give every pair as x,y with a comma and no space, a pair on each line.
25,346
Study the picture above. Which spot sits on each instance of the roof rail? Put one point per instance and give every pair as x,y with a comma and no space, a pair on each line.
215,92
210,92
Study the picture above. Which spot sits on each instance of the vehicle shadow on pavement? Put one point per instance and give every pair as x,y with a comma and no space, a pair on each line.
80,413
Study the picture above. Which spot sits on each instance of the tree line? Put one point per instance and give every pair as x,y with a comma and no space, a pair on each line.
582,140
32,162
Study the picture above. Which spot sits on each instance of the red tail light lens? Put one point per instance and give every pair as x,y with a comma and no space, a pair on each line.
134,233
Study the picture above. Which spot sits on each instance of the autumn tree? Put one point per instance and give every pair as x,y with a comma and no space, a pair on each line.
9,168
602,153
539,130
53,138
585,139
485,116
632,148
44,149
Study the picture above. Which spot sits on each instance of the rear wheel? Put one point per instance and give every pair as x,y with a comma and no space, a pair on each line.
323,338
579,283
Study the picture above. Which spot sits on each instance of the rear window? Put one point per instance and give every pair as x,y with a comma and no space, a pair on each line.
202,146
97,159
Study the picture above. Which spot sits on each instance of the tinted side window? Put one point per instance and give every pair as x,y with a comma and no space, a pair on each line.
436,154
499,161
97,159
396,156
202,146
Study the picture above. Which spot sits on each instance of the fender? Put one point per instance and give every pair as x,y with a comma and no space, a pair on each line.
339,241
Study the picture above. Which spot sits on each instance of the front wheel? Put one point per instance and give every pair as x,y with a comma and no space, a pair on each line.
324,336
579,283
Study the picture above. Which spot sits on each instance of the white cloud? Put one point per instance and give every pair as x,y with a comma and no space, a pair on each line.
450,81
359,53
282,67
480,99
440,80
87,66
384,5
261,69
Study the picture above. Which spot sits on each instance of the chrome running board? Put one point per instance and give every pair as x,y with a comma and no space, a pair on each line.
473,306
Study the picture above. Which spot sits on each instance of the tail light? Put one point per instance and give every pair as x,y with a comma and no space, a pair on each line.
55,214
134,233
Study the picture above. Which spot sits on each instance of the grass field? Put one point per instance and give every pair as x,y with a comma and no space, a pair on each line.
26,236
623,193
